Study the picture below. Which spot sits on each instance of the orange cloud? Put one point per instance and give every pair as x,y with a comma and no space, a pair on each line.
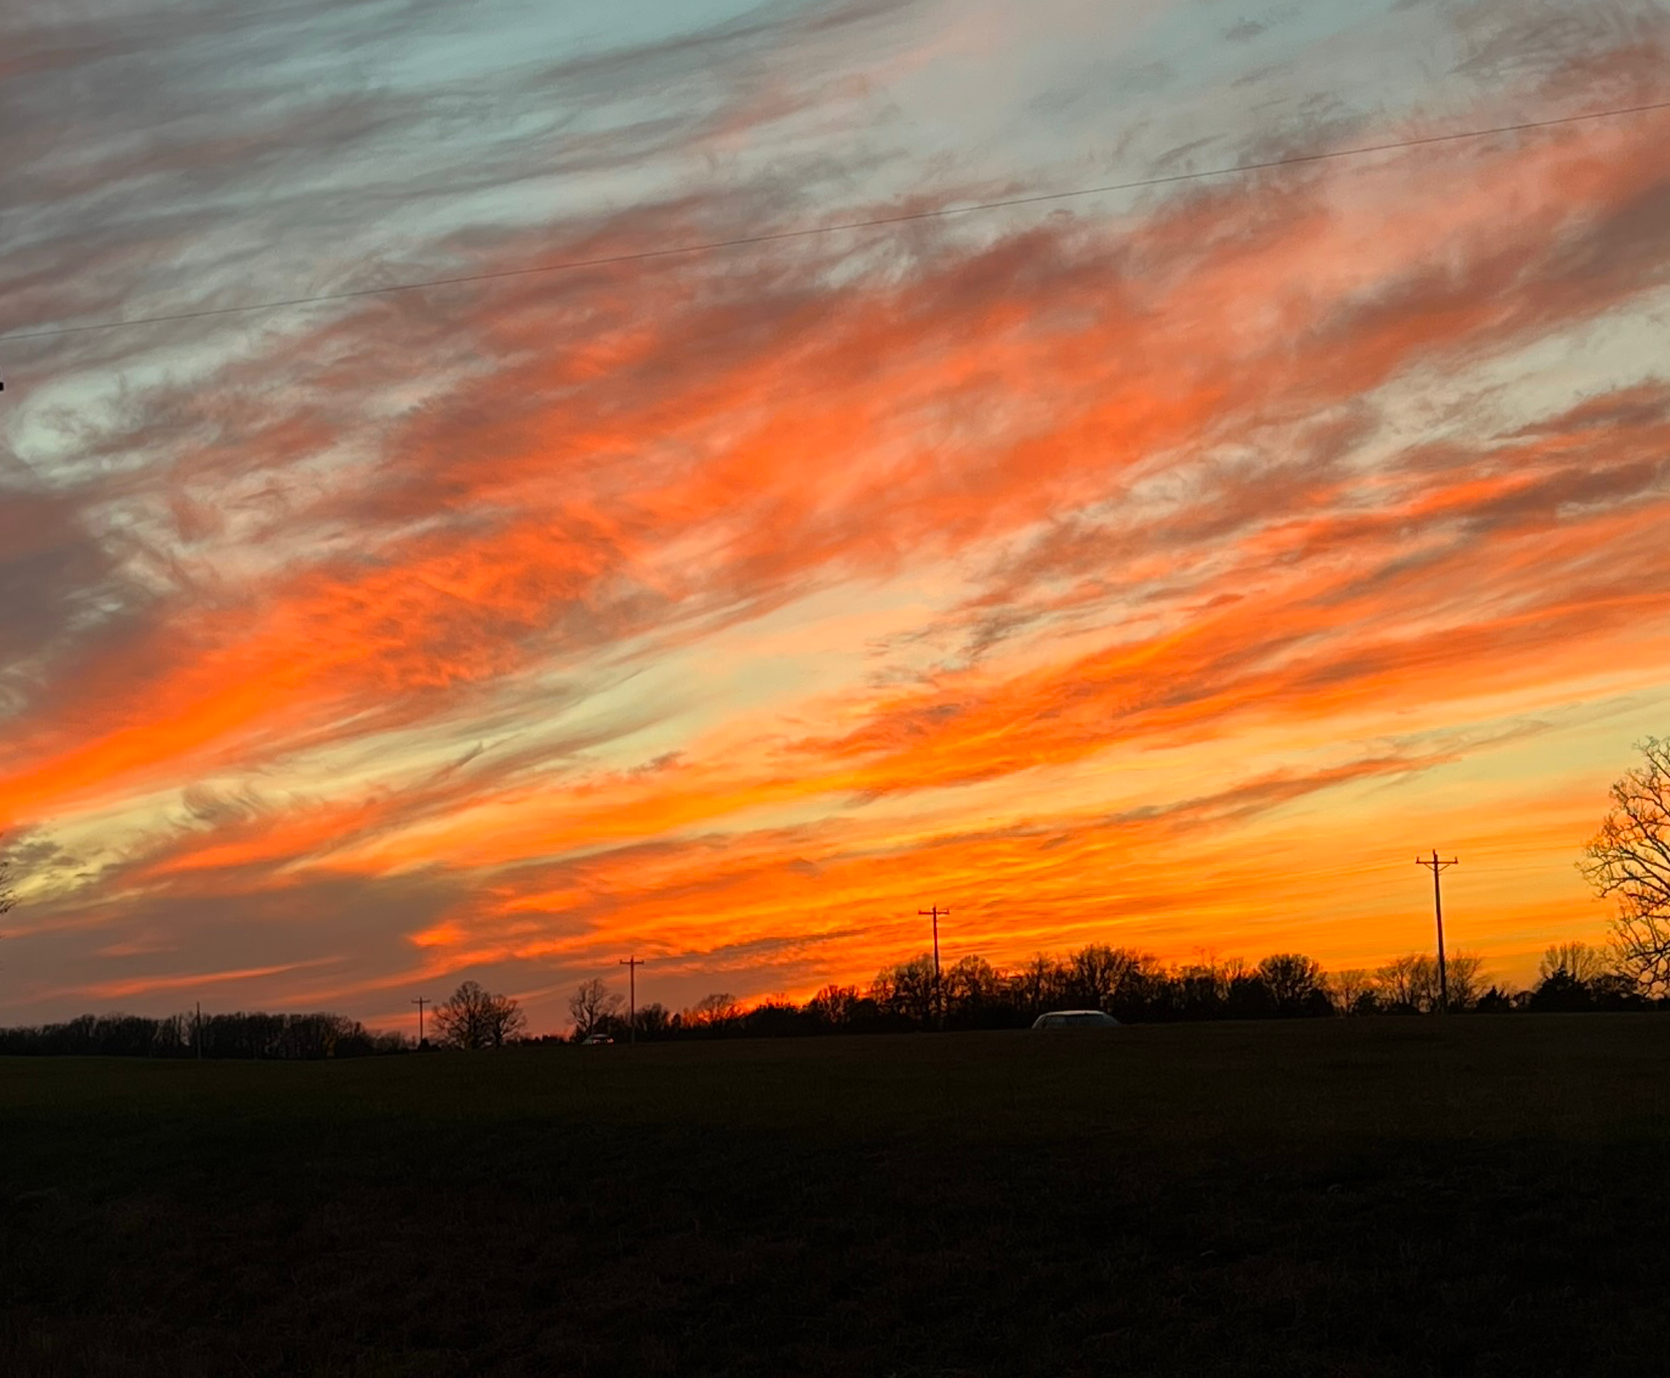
1261,480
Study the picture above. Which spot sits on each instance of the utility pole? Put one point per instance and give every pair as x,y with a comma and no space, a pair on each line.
631,964
936,914
1436,866
197,1038
420,1002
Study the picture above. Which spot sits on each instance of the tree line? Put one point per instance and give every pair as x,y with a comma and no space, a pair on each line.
471,1018
969,994
281,1037
1132,986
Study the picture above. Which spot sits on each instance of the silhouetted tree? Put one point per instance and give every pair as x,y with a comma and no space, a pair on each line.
171,1037
1197,991
1409,984
1629,860
1349,989
1575,960
1465,971
973,991
1249,997
1041,984
776,1018
1296,983
1401,984
1095,973
1617,990
907,990
239,1035
714,1013
1563,990
475,1018
654,1021
1560,992
1142,992
1494,1001
869,1017
833,1006
591,1005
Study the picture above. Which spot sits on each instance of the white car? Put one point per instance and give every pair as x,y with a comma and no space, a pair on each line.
1075,1019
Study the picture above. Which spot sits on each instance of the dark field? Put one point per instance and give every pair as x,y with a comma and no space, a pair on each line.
1316,1197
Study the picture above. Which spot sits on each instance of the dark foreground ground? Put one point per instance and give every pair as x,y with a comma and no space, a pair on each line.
1344,1197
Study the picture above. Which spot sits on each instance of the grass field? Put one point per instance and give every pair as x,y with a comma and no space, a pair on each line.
1318,1197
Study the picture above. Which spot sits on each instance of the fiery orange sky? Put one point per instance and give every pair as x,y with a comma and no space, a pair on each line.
1164,567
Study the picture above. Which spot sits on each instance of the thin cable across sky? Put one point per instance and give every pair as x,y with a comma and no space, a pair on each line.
839,227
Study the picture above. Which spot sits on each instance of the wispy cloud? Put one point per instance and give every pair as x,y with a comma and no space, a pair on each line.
724,603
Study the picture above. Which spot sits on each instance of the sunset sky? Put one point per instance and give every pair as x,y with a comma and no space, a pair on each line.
1164,567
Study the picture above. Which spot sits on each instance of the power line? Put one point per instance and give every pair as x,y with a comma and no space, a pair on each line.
810,231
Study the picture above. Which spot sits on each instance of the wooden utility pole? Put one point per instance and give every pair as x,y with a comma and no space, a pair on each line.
631,964
936,914
420,1002
197,1038
1436,867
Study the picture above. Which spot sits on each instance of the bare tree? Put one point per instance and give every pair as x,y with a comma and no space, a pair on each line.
1294,979
475,1018
712,1011
1347,989
1212,974
7,897
654,1019
907,989
1575,962
1040,983
834,1005
1404,982
1465,971
1410,982
971,985
593,1004
1629,859
1097,972
505,1021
